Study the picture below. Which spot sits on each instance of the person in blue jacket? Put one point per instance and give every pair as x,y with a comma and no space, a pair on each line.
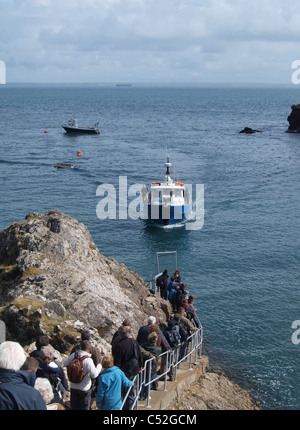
110,383
17,390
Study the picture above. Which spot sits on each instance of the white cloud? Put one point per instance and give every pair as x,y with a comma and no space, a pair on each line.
146,40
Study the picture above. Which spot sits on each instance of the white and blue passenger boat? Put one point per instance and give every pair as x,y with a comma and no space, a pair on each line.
169,202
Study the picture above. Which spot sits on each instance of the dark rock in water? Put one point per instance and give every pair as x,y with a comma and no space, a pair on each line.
248,130
54,281
294,119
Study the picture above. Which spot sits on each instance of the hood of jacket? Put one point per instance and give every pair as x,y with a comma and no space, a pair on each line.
19,376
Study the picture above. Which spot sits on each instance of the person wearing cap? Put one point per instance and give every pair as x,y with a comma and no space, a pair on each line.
48,368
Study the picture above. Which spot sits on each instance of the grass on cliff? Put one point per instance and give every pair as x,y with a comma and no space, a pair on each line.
35,318
32,272
10,272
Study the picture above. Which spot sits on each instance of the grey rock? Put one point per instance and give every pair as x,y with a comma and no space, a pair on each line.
53,273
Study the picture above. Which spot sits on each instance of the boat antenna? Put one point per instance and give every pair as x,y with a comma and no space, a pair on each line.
176,174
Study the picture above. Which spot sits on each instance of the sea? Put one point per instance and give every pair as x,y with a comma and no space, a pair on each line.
242,264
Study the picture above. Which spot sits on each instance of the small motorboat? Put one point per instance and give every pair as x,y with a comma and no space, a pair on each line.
169,202
73,127
64,166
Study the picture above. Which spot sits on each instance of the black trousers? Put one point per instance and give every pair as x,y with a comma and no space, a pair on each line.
80,400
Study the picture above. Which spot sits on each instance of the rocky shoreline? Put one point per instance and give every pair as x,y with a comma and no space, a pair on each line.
215,391
54,281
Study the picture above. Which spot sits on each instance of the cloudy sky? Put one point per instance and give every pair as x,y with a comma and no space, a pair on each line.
192,41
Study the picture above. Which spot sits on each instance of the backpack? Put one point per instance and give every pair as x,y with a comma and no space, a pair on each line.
171,294
183,331
173,339
75,369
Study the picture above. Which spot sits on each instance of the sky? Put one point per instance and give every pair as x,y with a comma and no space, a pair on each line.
159,41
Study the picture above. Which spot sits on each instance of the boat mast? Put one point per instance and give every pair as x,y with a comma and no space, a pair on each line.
168,165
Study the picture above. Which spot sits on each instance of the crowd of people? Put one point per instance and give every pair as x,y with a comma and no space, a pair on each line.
38,382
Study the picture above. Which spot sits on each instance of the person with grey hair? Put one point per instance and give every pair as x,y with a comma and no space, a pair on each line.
17,390
143,332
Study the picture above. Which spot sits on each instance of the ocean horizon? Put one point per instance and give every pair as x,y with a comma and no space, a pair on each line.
243,265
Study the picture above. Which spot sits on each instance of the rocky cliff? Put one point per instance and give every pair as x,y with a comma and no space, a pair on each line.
294,119
54,281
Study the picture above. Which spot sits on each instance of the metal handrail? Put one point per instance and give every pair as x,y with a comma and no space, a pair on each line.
143,381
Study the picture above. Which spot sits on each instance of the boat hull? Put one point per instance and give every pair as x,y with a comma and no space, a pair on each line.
64,166
169,215
82,130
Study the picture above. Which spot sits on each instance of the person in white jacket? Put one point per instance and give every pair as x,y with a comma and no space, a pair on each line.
81,392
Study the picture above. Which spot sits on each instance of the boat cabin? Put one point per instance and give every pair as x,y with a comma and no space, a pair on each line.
73,123
165,194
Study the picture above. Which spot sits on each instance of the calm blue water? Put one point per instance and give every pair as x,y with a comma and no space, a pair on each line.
243,266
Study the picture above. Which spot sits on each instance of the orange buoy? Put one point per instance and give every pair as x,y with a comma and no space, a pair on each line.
46,131
79,153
